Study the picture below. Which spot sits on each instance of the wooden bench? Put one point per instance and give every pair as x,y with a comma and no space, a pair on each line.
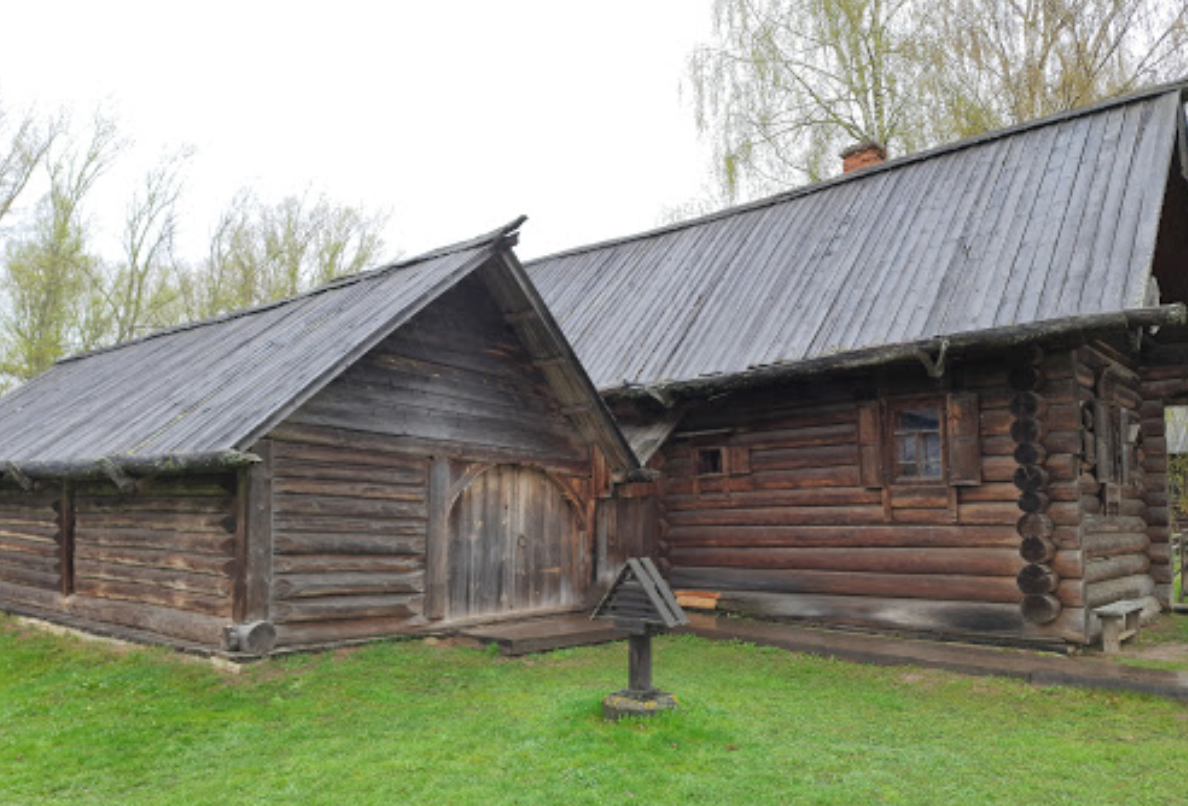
1119,621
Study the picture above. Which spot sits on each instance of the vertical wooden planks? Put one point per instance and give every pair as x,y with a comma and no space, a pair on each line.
870,443
256,508
438,537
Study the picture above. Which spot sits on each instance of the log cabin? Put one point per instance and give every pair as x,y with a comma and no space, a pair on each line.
403,450
927,395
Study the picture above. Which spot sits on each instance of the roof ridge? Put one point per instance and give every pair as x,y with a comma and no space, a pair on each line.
367,275
1180,85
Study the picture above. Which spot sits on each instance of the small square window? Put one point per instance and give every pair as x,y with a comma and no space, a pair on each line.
709,462
917,438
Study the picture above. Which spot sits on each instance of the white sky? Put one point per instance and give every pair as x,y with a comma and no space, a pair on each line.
456,116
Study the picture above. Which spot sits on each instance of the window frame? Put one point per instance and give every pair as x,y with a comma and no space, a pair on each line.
894,408
720,451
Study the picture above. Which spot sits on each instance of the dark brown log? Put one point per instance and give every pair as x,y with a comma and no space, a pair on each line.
92,572
905,614
965,588
958,562
998,468
301,586
1030,453
1035,525
1031,478
790,435
286,542
846,537
299,634
1026,378
166,621
46,579
1001,492
348,507
11,544
1034,502
1028,406
1159,554
782,458
334,563
810,497
779,516
1037,549
1037,580
66,540
150,594
349,489
1027,431
1040,609
218,543
347,607
217,565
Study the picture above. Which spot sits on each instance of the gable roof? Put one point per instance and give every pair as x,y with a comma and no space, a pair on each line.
217,386
1053,219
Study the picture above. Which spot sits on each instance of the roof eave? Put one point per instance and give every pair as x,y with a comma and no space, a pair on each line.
1067,329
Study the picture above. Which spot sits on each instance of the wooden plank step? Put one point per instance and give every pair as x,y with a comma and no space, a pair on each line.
527,636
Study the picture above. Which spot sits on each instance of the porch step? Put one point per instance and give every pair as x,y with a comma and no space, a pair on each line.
523,637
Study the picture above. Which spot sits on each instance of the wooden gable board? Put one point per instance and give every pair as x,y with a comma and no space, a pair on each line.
656,607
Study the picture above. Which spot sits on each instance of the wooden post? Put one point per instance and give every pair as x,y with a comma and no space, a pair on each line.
255,503
639,659
438,536
66,540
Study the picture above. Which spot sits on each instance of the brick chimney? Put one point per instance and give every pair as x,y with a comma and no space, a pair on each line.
862,155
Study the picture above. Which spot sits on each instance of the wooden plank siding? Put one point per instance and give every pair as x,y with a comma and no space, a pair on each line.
806,527
457,375
353,508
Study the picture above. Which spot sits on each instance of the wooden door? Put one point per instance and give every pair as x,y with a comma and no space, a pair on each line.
515,546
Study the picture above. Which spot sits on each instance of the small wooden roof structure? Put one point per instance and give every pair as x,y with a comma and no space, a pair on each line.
990,238
639,598
199,395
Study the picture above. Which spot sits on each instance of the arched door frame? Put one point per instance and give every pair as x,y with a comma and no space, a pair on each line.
448,480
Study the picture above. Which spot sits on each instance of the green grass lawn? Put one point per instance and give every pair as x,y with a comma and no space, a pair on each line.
411,722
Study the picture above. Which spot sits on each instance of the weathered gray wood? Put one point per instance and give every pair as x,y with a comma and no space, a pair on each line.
258,536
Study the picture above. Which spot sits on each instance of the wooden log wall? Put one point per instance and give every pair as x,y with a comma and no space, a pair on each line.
170,544
457,374
31,540
348,527
796,527
1039,580
1162,386
1115,484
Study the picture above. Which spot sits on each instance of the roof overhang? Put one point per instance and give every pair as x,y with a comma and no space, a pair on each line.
931,352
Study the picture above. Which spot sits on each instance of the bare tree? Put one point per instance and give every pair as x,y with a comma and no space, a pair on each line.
25,142
261,252
52,305
140,294
787,83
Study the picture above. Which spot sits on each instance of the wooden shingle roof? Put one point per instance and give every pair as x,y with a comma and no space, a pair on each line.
216,386
1046,221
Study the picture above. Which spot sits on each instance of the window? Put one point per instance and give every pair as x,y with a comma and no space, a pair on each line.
709,462
917,443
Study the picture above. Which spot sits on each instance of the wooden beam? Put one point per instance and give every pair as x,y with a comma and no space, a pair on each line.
256,537
437,538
